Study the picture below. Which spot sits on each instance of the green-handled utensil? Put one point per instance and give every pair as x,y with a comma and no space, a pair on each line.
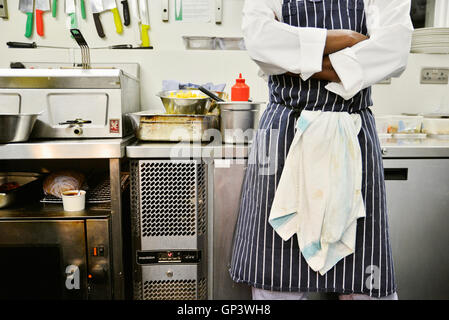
83,9
27,6
70,10
54,8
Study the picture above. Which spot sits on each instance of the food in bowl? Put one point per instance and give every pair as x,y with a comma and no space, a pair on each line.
186,95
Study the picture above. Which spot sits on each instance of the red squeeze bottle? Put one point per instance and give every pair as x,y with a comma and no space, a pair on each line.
240,91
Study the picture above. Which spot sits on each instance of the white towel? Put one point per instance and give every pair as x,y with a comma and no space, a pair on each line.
319,194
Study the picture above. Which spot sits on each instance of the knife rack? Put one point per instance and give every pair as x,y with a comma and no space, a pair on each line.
85,50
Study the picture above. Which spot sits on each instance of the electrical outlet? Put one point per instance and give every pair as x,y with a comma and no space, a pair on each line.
434,76
3,9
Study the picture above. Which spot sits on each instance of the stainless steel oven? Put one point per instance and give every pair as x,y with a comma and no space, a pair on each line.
54,258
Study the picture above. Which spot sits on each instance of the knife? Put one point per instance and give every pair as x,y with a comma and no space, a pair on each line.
70,9
54,8
145,23
97,8
112,6
27,7
41,7
83,9
126,16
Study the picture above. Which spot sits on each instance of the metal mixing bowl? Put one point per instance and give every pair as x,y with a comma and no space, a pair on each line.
16,127
175,105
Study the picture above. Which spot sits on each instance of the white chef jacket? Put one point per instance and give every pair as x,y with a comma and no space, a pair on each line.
279,48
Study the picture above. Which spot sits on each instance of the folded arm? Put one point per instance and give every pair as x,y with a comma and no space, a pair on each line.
279,48
383,55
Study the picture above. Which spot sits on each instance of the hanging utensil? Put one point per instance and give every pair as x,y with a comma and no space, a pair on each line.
97,8
145,23
85,51
34,45
41,7
83,9
112,6
70,10
126,16
27,7
54,8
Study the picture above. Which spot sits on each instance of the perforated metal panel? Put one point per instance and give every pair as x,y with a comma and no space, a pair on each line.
169,212
170,198
184,283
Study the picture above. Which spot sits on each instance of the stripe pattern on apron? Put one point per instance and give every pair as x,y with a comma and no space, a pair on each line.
260,257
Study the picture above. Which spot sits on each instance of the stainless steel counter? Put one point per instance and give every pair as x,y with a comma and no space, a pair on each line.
391,148
66,149
415,148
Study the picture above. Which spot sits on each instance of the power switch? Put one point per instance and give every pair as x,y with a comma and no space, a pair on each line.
98,251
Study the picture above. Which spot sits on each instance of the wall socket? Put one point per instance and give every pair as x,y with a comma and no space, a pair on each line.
3,9
434,76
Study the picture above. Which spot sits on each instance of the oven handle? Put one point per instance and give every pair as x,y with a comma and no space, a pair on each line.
76,121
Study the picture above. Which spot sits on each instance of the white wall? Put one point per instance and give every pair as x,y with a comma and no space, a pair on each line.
169,59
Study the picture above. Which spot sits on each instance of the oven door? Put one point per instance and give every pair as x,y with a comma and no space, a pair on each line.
43,259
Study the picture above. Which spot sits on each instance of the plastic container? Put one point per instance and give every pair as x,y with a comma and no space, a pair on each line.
240,91
436,126
405,124
383,124
74,200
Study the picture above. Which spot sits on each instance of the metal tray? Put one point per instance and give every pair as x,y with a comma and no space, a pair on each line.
174,127
28,182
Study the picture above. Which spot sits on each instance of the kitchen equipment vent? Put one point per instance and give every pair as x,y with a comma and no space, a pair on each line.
171,199
174,290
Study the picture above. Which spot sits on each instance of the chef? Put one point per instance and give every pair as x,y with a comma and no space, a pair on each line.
318,55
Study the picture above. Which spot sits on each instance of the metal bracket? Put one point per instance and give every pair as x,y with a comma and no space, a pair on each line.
218,11
3,9
165,10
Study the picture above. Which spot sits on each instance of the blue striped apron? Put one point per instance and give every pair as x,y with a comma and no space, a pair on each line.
260,257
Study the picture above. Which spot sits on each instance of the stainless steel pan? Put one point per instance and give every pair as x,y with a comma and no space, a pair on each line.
29,186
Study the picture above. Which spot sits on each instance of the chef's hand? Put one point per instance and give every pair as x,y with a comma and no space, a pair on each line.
327,73
341,39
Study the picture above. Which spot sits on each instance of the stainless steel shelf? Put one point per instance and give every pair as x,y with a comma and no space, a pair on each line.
66,149
39,211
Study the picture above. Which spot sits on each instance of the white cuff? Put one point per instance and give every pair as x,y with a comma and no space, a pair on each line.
349,71
312,43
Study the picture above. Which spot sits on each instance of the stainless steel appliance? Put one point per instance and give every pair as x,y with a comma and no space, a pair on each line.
169,226
74,103
48,256
227,186
418,212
